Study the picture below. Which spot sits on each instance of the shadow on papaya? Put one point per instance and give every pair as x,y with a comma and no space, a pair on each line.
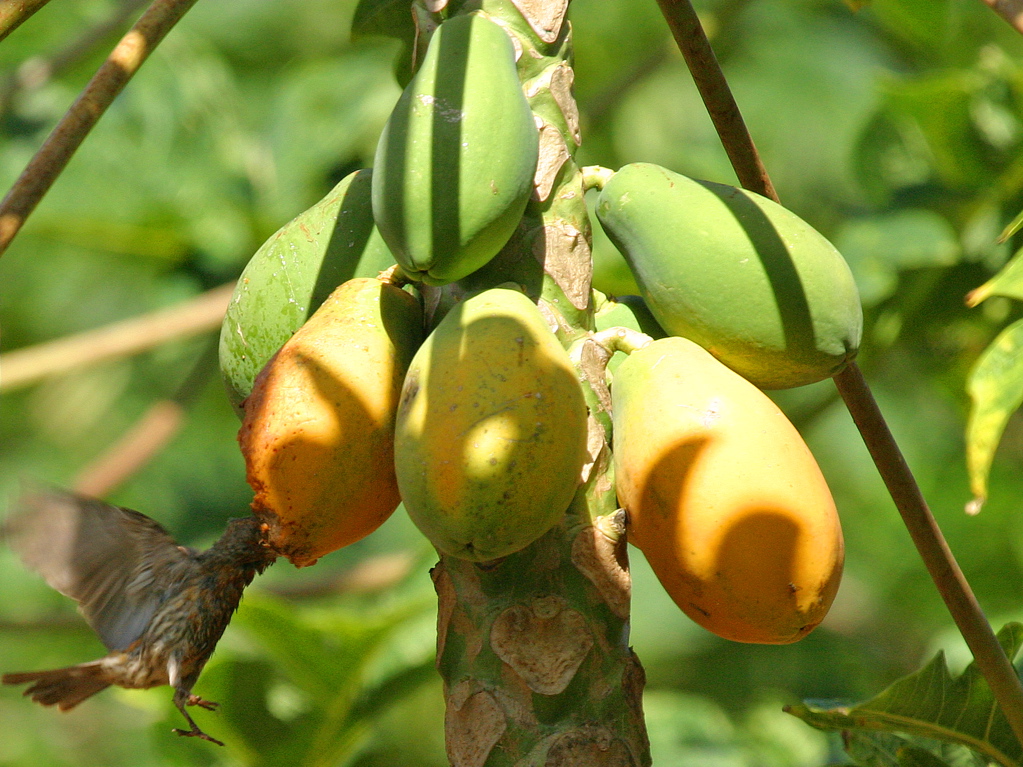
291,275
491,429
355,247
790,299
654,496
455,162
745,573
318,430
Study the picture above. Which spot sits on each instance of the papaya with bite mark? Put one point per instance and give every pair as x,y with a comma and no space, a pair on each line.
318,431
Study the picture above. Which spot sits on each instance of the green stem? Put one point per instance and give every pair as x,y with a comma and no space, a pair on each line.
924,530
934,550
622,340
595,176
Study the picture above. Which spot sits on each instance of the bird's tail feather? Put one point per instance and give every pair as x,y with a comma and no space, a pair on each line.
63,687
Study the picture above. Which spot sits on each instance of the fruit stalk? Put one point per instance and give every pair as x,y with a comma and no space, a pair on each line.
533,648
938,558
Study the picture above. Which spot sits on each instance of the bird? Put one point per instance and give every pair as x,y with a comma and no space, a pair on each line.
160,608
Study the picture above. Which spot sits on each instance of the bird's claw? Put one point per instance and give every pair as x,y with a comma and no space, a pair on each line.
195,732
195,700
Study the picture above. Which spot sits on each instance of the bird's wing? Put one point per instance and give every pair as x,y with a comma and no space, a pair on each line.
104,557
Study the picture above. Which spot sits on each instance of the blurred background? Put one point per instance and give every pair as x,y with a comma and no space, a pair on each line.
894,126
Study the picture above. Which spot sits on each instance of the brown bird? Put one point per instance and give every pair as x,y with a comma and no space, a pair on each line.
160,608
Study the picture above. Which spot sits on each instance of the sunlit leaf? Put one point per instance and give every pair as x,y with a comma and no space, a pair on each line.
996,389
326,664
1008,282
933,704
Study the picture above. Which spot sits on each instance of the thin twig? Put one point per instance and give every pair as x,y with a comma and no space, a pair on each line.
123,62
717,96
150,434
36,71
933,548
13,12
923,529
119,339
1010,10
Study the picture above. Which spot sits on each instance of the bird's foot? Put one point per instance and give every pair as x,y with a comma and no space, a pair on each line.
195,700
195,732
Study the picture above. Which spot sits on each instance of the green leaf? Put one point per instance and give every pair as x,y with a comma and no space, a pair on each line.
1008,282
914,756
996,388
376,699
885,749
930,703
1012,228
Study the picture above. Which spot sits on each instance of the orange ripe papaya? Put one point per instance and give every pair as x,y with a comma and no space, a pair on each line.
318,429
723,497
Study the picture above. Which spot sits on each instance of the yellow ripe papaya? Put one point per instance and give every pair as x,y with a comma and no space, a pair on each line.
490,434
723,497
318,429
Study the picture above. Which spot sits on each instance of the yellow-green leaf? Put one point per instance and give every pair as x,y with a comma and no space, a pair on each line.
996,389
1008,282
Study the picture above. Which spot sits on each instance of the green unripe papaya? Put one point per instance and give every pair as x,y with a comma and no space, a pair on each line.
291,275
745,278
490,435
454,165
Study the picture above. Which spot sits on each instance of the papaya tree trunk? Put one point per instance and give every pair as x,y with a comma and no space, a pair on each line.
534,648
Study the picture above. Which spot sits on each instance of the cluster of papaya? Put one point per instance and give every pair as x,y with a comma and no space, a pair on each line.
349,406
353,399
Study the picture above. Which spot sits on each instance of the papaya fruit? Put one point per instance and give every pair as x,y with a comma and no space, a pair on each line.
490,435
455,162
745,278
318,431
723,497
292,273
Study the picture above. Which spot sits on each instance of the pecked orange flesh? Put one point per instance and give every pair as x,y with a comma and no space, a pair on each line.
723,496
318,429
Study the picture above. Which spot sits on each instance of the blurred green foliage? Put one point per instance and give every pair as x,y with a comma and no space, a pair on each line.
895,129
